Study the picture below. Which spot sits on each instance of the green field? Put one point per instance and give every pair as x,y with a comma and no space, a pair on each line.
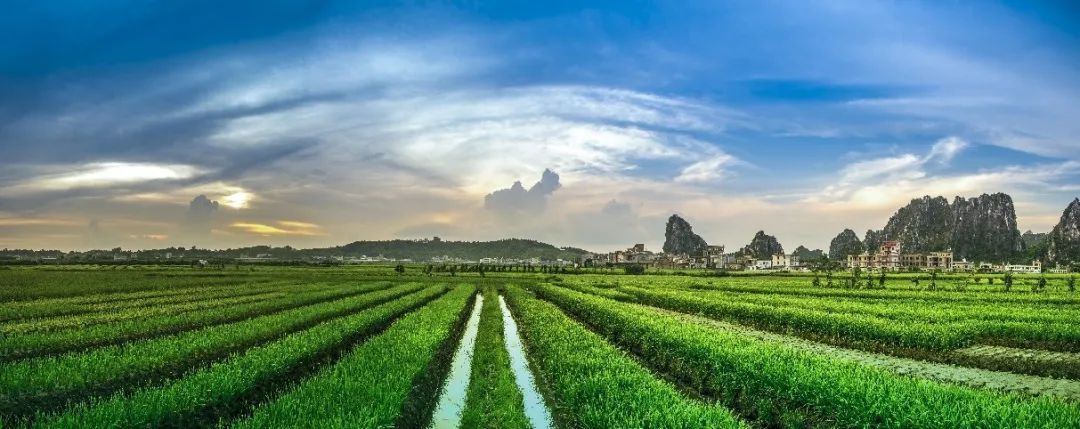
146,346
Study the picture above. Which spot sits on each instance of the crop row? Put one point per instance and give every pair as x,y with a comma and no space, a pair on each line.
493,400
1052,368
231,387
23,285
760,378
925,308
51,307
912,310
50,381
590,383
771,285
44,344
388,378
81,321
866,331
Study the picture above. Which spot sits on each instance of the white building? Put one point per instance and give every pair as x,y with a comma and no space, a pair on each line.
1034,268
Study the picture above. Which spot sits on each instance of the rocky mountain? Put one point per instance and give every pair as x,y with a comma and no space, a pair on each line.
873,239
679,237
807,255
977,229
1033,239
762,246
924,225
1063,244
985,228
844,244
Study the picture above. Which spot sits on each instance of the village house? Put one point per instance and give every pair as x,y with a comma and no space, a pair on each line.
1034,268
890,258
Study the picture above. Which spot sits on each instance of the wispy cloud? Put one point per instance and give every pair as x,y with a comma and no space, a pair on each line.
287,228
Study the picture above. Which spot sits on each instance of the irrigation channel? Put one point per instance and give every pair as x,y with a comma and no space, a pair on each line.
451,405
535,409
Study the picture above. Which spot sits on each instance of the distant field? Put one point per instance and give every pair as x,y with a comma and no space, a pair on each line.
146,346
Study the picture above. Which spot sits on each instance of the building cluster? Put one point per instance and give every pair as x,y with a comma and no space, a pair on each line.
891,257
711,257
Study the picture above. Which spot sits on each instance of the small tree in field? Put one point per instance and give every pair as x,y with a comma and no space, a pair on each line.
635,269
400,269
1072,283
1042,284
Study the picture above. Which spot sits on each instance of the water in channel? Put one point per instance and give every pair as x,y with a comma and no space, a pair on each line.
535,409
447,413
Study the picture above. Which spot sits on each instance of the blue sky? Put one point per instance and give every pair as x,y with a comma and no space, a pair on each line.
317,123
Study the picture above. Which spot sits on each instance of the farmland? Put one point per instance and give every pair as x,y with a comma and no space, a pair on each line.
368,347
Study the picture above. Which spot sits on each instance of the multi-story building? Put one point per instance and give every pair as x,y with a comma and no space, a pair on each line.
889,257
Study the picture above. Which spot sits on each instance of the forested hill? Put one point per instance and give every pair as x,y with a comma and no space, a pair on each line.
421,250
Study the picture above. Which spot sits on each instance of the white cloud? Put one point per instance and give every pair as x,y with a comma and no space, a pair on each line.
945,149
707,170
101,175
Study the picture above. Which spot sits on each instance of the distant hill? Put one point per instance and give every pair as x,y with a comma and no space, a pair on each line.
417,250
421,250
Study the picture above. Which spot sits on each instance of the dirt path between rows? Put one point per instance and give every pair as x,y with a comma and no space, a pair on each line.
973,377
1012,353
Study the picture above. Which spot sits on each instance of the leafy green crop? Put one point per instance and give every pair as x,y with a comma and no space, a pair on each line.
374,380
762,378
595,385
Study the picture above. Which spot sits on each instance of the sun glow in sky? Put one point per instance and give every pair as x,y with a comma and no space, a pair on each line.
319,123
237,200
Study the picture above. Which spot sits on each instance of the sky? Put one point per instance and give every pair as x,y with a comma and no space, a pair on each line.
316,123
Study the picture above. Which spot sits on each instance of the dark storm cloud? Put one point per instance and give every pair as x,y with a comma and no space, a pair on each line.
200,215
517,200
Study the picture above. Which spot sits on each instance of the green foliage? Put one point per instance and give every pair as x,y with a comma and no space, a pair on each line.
748,374
493,400
374,380
73,375
139,323
181,402
634,269
593,384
